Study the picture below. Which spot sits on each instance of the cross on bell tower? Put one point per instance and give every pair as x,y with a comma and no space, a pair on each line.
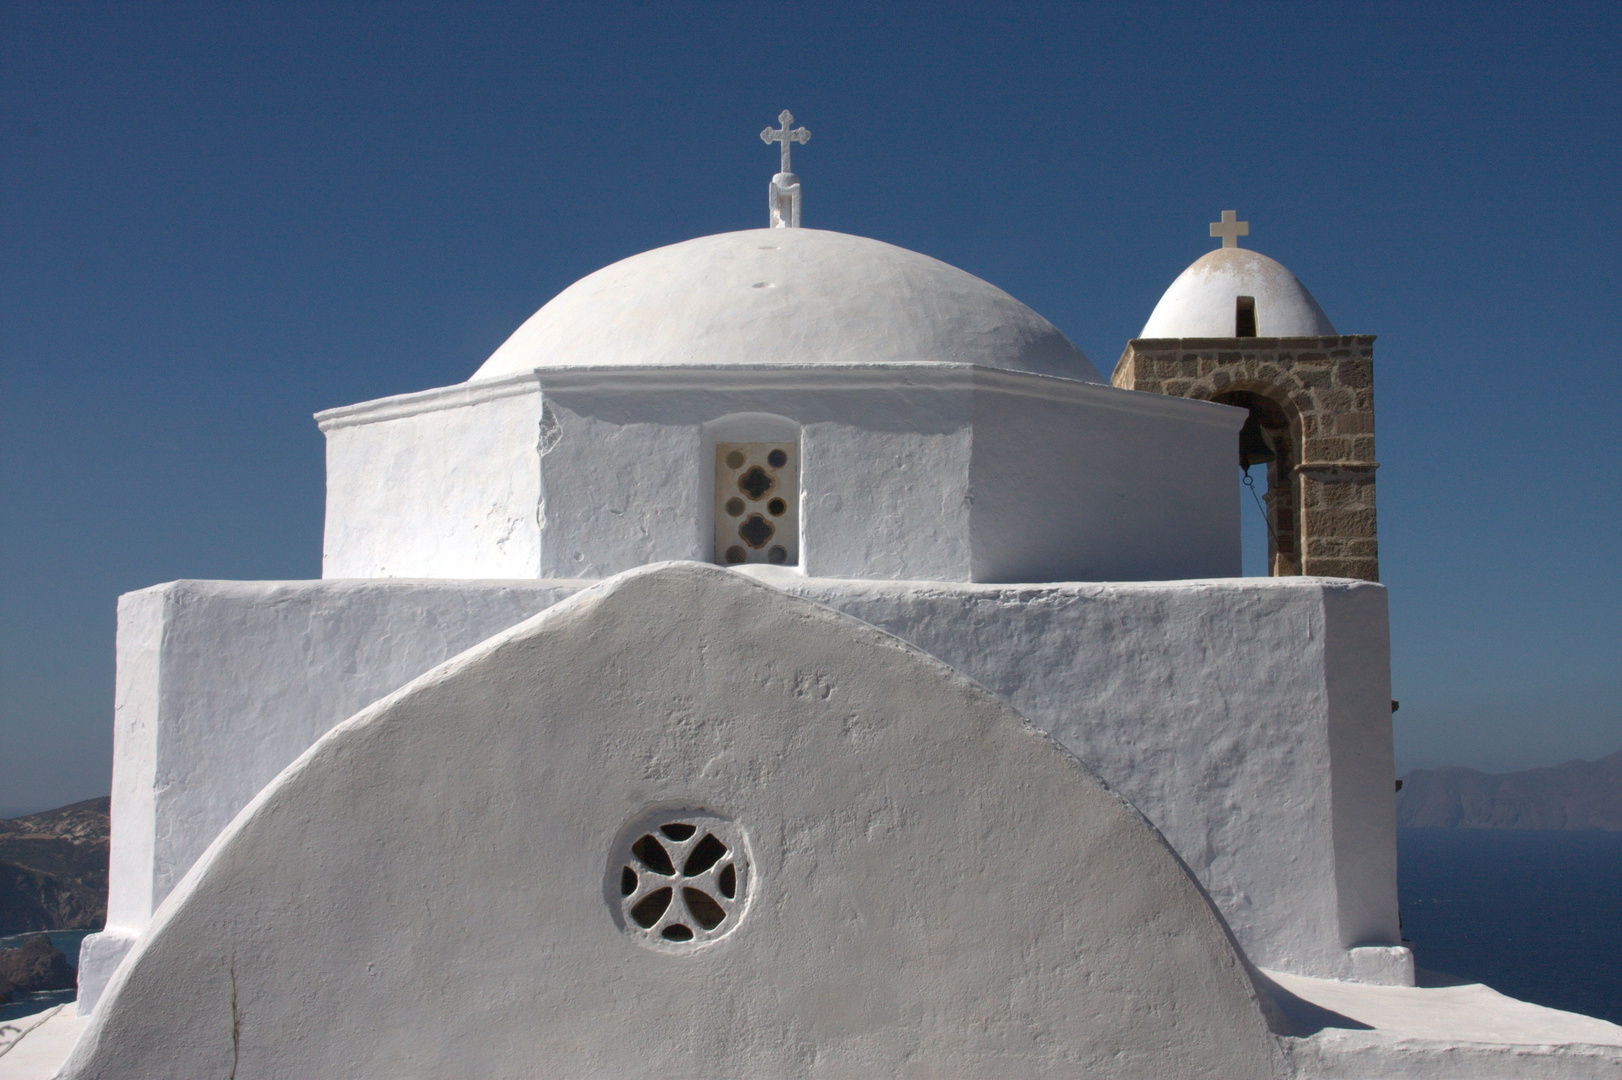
784,195
1229,229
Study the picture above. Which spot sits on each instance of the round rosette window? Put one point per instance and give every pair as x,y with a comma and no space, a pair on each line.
680,879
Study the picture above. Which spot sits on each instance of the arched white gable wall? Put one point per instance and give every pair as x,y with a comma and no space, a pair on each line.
1016,919
745,427
228,682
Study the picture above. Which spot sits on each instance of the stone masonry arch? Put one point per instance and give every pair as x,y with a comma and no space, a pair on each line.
1272,436
1321,483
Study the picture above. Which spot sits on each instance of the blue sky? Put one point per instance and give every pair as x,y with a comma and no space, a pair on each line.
216,219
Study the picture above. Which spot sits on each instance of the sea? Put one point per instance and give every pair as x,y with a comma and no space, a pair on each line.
27,1004
1535,915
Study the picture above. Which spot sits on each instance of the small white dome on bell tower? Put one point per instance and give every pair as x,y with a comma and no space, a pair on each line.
1236,292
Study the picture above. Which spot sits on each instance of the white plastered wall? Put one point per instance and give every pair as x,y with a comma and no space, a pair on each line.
138,711
943,472
1248,718
901,912
1242,716
138,720
220,684
1103,488
422,492
1358,697
624,486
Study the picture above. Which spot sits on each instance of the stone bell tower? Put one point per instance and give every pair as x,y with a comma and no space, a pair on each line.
1239,329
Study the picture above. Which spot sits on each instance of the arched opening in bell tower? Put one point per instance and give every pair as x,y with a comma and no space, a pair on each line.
1269,440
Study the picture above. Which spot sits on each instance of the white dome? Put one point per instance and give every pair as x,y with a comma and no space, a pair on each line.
785,296
1201,302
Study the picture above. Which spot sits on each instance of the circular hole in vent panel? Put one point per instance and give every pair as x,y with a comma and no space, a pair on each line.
678,880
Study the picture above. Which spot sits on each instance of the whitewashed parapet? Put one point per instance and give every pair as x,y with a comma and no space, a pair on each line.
948,472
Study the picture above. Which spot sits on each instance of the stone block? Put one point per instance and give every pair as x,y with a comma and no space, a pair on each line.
1324,547
1344,567
1343,523
1326,448
1355,374
1340,496
1125,373
1354,423
1316,378
1326,565
1333,400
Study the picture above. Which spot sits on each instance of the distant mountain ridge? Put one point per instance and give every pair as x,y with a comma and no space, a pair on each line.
1576,795
53,869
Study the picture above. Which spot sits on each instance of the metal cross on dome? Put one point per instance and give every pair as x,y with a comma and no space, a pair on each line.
1230,229
785,136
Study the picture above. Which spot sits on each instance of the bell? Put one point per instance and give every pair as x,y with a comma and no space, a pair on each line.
1253,447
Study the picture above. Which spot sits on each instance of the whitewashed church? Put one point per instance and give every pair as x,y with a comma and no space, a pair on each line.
788,657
